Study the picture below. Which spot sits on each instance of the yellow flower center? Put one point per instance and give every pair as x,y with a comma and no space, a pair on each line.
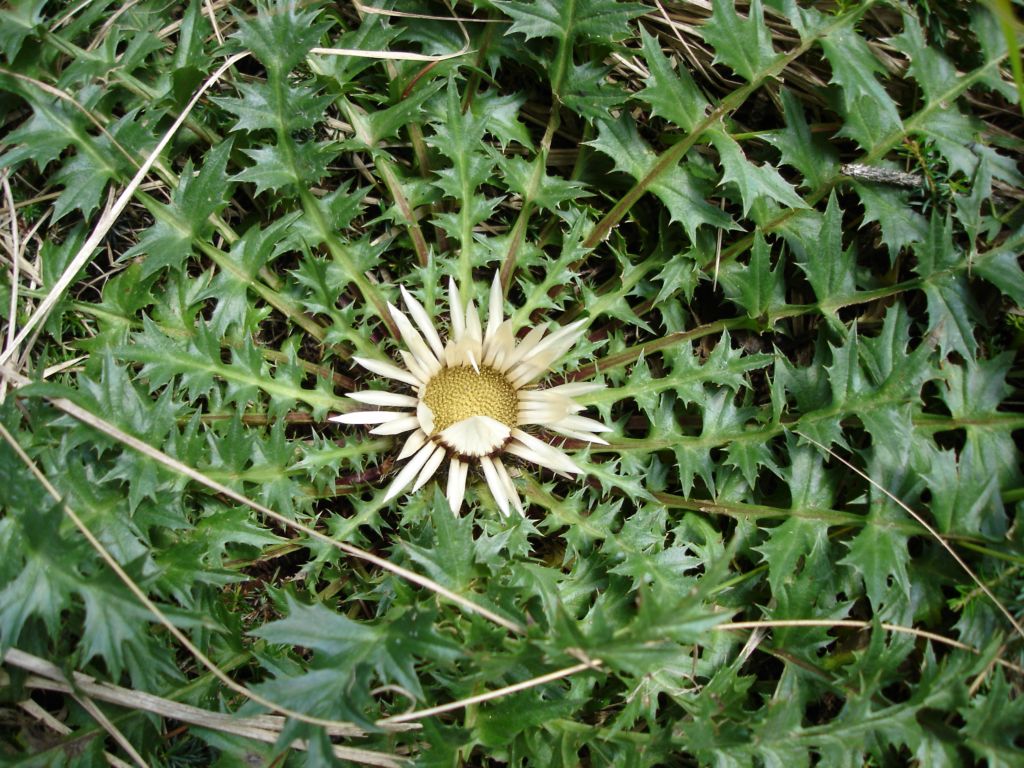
455,394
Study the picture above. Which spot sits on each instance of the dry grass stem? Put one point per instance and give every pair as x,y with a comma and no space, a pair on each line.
508,690
112,730
58,727
264,728
855,624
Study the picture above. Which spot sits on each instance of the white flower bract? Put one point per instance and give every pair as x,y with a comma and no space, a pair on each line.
472,398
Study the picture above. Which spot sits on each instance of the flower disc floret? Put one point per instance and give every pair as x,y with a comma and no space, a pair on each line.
456,394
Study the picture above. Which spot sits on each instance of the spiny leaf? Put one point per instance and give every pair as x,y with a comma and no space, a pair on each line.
929,66
677,187
963,500
597,20
197,361
276,167
993,723
754,181
548,192
972,392
281,35
17,23
744,45
265,106
871,113
1001,267
316,626
95,162
587,90
756,286
809,153
829,267
952,311
450,558
900,225
671,93
169,242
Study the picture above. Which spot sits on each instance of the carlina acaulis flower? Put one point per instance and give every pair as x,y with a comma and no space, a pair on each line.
474,398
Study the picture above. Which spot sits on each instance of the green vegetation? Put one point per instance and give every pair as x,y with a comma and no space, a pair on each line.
794,230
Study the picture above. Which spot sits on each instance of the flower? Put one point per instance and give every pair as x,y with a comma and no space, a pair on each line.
473,398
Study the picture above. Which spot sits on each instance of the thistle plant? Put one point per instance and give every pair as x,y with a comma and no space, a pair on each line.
702,318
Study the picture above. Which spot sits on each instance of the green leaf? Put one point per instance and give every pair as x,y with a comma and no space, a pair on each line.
499,722
992,723
278,167
458,137
753,181
955,135
318,627
112,618
810,489
386,123
756,286
230,526
678,187
43,137
726,366
871,114
587,90
33,550
115,393
993,38
18,22
196,363
680,274
53,128
808,22
744,45
929,66
952,311
845,374
787,544
829,268
593,20
973,392
895,369
808,152
1001,267
169,242
390,649
449,557
900,224
229,288
548,192
964,500
501,115
263,106
671,93
280,35
879,554
335,691
194,26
